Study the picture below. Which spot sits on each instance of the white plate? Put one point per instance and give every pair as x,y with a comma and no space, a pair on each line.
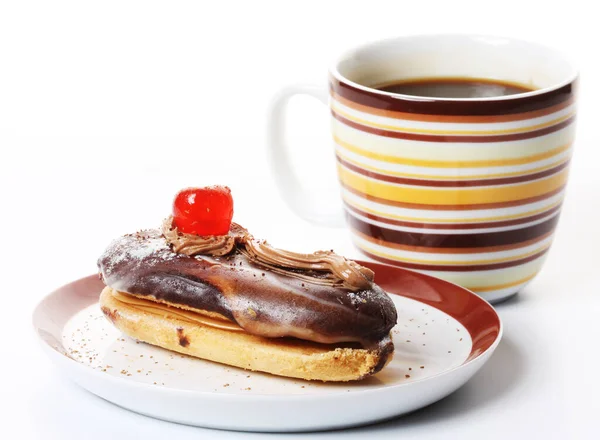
444,335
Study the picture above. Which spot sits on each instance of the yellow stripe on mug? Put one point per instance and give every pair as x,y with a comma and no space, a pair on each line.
528,171
451,196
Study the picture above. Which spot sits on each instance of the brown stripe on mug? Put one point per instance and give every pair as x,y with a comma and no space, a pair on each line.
439,106
451,183
447,268
452,207
434,250
455,138
465,119
472,240
454,226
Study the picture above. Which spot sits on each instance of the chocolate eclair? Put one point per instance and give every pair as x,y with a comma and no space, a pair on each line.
236,300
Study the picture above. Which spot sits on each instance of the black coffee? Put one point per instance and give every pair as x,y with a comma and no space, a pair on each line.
454,87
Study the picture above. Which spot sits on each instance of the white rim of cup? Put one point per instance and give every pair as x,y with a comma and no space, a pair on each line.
574,76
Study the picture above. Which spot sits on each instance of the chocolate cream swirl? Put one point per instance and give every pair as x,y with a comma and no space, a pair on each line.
191,244
332,269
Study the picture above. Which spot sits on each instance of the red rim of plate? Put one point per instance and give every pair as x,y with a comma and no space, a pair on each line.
472,311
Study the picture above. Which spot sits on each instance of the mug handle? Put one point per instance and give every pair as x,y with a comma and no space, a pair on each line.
301,202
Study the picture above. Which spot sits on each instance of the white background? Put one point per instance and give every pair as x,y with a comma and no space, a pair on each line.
108,108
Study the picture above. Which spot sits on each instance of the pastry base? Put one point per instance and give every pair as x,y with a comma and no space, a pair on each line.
280,356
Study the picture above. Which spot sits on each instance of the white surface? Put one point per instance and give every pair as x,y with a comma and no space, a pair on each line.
427,366
142,94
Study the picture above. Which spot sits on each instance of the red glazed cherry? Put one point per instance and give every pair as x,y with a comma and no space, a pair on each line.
203,211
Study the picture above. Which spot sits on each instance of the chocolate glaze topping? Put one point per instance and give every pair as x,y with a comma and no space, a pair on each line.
264,297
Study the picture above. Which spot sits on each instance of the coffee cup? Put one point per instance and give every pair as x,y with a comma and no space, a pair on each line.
452,154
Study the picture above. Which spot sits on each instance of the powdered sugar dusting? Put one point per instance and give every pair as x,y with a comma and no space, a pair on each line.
151,246
360,297
140,248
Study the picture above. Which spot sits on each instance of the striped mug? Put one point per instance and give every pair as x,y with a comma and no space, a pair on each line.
465,189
